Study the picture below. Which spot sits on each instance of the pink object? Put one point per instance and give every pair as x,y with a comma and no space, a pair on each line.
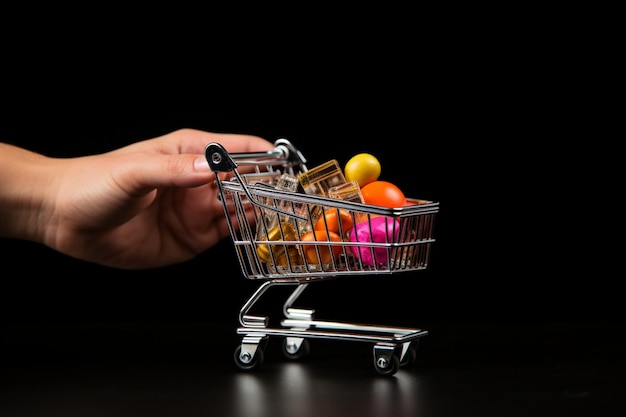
377,229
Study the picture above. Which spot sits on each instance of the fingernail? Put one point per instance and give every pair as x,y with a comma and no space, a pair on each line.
201,164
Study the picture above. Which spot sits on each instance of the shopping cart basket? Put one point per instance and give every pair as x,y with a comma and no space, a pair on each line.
268,223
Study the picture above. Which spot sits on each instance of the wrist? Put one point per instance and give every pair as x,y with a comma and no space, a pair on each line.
25,187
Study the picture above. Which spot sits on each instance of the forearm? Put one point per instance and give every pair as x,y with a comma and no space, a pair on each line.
24,189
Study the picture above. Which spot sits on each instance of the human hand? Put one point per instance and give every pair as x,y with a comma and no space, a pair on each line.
149,204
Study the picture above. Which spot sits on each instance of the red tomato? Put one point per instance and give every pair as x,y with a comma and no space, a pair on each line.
335,217
327,250
383,193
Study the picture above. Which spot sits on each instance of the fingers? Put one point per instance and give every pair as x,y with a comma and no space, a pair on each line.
177,158
244,143
147,172
195,141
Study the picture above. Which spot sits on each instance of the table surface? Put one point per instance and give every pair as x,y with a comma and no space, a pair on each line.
185,368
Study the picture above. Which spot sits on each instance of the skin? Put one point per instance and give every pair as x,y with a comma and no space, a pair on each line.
149,204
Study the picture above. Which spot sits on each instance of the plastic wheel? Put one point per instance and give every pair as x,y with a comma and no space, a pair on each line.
387,368
302,352
254,363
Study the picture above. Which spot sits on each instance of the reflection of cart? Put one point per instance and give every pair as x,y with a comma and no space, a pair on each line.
267,224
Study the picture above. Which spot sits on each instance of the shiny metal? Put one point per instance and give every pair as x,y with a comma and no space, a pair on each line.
275,256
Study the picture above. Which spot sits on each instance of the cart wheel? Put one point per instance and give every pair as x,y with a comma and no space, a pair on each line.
387,368
254,363
292,351
411,355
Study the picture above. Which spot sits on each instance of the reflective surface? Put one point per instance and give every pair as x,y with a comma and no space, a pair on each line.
183,369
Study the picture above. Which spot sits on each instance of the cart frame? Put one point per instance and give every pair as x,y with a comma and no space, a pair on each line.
252,204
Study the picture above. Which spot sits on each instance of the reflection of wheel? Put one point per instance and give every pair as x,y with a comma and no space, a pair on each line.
290,352
254,363
410,355
387,368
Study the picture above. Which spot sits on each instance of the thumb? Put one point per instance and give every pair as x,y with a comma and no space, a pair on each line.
182,170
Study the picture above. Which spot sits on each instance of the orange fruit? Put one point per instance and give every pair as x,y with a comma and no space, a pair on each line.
337,221
384,194
327,251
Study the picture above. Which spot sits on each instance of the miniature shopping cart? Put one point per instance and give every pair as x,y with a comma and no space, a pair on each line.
268,223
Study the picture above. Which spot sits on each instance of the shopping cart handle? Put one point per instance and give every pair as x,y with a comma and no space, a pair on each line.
221,161
218,158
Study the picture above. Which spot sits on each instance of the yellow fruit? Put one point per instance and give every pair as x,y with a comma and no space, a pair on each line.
362,168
